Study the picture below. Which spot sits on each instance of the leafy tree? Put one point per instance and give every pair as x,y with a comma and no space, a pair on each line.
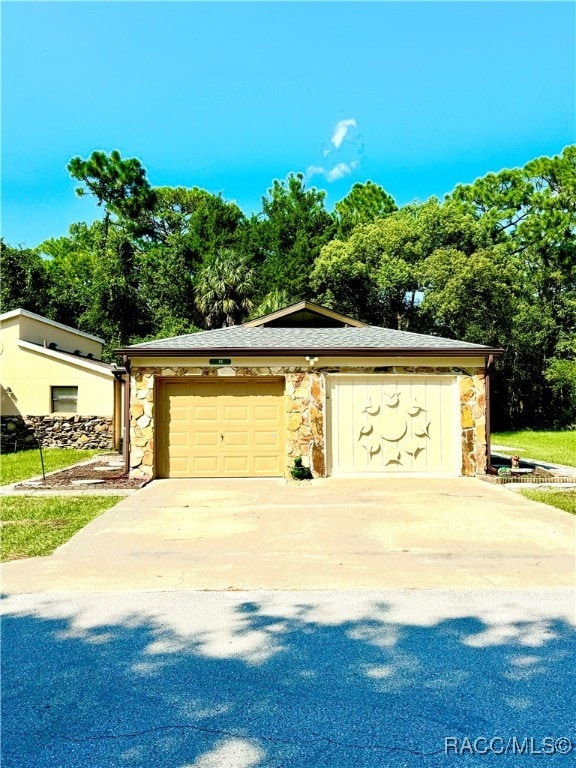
118,184
70,262
471,297
195,222
117,311
495,263
560,368
364,203
25,279
375,274
532,211
167,326
166,288
189,227
287,237
272,302
224,289
343,277
501,200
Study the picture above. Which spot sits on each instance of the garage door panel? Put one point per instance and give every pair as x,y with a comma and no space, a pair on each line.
221,429
204,439
236,413
236,439
266,439
178,412
206,466
264,413
203,413
179,464
393,425
235,465
267,464
179,439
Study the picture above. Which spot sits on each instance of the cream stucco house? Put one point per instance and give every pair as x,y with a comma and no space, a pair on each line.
351,399
55,387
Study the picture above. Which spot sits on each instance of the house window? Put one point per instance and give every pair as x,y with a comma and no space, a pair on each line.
64,399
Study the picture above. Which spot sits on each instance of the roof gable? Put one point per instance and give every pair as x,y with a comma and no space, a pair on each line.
304,314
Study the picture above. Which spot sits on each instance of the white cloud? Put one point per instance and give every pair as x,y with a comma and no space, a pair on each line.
331,170
315,170
339,171
332,174
341,130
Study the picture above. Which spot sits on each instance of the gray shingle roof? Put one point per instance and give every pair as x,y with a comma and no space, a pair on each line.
251,340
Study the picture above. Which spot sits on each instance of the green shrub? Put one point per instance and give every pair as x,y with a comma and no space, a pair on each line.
299,471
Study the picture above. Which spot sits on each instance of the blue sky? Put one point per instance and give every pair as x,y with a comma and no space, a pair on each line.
227,96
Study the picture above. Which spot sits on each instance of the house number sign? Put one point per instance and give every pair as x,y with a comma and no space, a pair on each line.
219,361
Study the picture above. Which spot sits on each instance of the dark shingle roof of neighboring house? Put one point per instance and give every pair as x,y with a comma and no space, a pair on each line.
245,340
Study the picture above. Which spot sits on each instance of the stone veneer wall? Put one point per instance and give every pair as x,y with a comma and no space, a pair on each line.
55,431
305,417
473,422
304,412
305,433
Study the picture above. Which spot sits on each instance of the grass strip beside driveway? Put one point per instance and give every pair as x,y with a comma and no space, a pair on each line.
557,447
23,465
565,500
34,526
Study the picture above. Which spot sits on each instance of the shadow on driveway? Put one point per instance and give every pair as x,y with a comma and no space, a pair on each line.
204,680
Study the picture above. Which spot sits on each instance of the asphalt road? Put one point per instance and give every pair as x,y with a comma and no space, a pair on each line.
301,679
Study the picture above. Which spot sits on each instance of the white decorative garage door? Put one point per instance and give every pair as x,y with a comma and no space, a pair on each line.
393,424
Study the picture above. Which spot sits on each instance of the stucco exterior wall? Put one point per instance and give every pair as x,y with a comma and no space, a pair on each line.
40,332
306,403
30,374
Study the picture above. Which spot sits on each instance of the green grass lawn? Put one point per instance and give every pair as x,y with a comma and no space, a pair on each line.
565,500
34,526
557,447
25,464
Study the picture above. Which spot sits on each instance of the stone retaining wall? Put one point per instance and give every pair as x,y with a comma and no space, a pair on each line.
305,417
55,431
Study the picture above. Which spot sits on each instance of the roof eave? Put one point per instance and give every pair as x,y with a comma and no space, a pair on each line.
316,351
97,366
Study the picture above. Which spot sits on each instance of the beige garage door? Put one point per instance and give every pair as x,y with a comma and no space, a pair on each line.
393,425
221,428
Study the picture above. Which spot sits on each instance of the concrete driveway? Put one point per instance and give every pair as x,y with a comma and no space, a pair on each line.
330,534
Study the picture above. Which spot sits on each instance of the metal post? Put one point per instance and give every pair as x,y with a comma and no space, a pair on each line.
41,459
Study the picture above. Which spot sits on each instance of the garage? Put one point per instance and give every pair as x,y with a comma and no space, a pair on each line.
221,428
308,384
393,425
